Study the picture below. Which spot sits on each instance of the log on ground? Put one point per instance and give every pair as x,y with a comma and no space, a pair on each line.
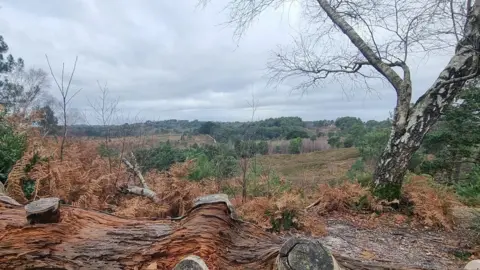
83,239
91,240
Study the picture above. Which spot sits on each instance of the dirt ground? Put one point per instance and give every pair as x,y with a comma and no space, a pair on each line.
403,246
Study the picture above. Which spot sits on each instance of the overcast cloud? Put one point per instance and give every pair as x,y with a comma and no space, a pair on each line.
171,60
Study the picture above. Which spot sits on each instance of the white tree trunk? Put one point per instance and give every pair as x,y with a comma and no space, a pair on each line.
411,125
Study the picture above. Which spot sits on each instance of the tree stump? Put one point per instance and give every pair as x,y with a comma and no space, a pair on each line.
46,210
299,253
191,262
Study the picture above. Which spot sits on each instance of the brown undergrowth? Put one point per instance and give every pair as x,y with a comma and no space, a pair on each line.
431,203
83,179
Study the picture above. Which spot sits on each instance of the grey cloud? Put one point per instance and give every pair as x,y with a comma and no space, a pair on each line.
169,59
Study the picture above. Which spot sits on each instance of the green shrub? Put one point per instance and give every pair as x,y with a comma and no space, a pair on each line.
295,146
262,148
105,151
203,168
469,190
160,157
359,173
414,165
28,187
334,140
12,147
265,183
283,222
373,143
348,142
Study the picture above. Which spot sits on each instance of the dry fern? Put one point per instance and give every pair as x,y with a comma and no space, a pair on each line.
432,204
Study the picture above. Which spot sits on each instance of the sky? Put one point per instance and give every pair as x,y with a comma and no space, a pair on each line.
175,60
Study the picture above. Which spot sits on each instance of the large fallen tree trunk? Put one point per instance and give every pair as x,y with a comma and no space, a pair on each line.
83,239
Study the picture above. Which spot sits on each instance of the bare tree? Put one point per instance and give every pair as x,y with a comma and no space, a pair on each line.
380,38
105,110
66,98
247,149
22,89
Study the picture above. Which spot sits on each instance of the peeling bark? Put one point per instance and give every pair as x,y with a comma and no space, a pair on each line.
411,125
406,139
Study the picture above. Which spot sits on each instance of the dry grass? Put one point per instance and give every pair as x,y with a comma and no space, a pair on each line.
310,169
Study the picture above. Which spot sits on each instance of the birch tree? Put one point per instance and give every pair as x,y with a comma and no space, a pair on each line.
381,37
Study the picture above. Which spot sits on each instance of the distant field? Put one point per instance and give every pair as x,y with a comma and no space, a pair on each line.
309,169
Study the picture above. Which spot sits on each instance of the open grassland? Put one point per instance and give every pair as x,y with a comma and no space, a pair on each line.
311,169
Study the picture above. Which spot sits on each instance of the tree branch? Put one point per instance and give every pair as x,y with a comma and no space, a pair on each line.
135,170
366,51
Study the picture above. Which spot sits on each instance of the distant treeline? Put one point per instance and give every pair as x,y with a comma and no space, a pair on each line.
268,129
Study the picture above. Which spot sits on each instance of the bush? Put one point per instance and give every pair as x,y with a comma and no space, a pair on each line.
373,144
359,173
203,168
469,190
348,142
160,157
262,147
334,140
266,183
12,147
105,151
225,166
295,146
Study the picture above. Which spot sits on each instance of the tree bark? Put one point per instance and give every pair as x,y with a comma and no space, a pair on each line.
91,240
411,124
406,136
209,233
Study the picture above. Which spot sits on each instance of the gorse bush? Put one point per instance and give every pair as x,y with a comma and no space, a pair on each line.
12,147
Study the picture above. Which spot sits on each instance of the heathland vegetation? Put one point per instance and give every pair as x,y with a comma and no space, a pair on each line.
417,169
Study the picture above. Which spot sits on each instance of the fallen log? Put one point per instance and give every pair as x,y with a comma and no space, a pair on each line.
209,235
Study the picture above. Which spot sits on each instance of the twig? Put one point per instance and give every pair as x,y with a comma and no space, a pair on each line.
313,204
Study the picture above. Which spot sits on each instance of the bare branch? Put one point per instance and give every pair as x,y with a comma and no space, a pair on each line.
145,192
53,75
65,97
136,170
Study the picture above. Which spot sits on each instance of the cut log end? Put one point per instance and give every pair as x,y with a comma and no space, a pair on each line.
191,262
216,198
299,253
46,210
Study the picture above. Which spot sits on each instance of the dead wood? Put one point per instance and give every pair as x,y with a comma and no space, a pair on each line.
85,239
145,191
